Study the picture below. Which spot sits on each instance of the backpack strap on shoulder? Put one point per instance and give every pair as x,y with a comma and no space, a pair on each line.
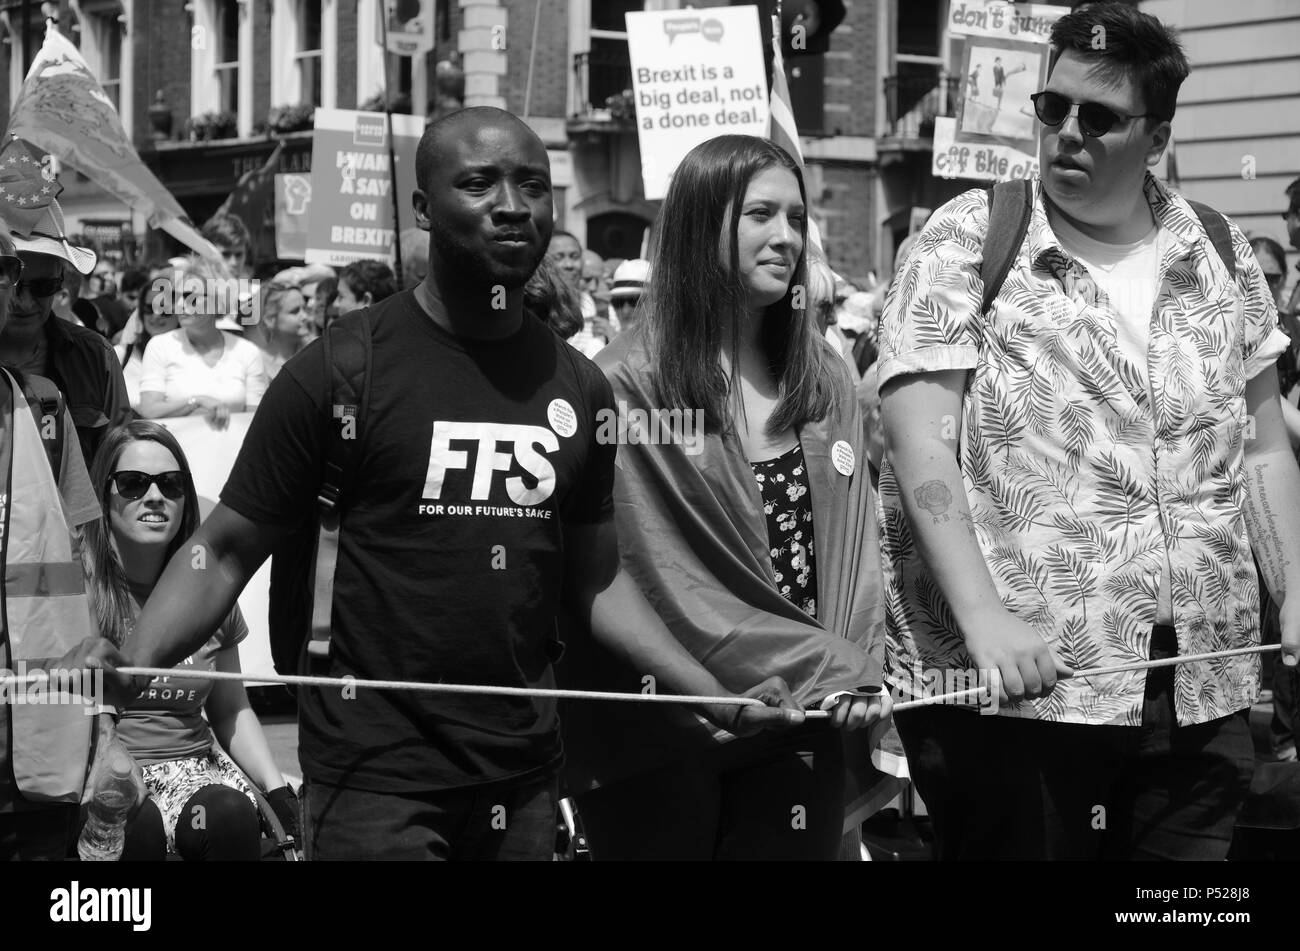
1011,205
46,404
1216,229
346,348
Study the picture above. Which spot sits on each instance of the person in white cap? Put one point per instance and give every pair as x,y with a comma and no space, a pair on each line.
78,360
45,624
626,289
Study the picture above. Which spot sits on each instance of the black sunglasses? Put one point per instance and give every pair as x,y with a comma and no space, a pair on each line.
1094,118
11,268
132,484
41,287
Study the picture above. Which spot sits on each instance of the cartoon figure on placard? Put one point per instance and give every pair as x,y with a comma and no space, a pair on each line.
1000,75
1007,116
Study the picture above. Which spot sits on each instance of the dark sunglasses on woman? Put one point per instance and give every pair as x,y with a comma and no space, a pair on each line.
133,484
1094,119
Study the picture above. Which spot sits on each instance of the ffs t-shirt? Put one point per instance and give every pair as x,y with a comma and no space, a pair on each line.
79,507
475,456
166,721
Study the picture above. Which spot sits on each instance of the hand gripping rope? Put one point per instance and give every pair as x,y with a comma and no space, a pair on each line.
969,695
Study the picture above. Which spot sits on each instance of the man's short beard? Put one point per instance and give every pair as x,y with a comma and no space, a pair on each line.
476,270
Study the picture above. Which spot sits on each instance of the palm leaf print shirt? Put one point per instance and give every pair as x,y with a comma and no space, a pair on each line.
1083,470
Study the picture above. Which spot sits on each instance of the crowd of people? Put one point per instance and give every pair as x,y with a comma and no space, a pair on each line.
815,498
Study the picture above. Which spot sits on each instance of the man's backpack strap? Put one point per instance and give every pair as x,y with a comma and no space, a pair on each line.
347,352
1011,205
46,404
1216,229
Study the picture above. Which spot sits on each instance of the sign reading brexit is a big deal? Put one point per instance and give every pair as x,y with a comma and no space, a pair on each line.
350,216
696,74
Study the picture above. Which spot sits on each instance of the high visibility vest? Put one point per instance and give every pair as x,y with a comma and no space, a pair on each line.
46,613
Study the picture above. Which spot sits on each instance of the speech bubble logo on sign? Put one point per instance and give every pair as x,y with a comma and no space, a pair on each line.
712,31
675,28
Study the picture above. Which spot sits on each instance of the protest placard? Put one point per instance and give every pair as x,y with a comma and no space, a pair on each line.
1003,62
351,210
1000,76
696,74
989,162
1030,22
292,202
410,26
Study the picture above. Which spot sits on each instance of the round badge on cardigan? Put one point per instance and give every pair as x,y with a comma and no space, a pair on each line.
842,458
562,418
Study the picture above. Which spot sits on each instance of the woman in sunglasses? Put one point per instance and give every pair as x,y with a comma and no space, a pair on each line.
200,806
200,369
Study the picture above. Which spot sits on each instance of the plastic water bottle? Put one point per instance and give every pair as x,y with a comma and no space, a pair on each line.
104,833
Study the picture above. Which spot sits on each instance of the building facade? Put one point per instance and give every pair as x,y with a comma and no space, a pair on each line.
1237,130
207,88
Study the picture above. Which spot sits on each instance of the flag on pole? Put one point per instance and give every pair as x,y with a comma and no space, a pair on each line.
62,109
253,203
782,129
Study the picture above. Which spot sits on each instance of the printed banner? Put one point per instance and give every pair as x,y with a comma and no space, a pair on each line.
999,77
1004,57
410,26
1031,22
211,454
696,74
351,215
983,162
292,206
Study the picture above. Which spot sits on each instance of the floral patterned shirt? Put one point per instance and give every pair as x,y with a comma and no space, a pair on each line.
1079,487
787,506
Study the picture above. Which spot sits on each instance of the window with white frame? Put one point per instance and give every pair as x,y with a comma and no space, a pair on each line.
406,77
221,39
225,36
304,52
308,57
598,42
100,30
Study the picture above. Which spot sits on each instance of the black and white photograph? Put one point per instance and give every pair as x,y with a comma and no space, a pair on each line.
506,432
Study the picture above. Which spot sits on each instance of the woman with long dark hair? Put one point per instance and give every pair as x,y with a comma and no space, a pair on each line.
742,436
200,805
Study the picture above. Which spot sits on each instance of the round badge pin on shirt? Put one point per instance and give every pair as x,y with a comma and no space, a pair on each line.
562,418
842,458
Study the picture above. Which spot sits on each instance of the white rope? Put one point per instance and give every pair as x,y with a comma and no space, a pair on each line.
953,698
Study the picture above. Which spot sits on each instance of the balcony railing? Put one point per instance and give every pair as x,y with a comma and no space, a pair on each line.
601,77
913,101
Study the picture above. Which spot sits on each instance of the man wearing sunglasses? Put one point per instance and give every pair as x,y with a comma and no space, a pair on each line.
44,613
1122,454
78,360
